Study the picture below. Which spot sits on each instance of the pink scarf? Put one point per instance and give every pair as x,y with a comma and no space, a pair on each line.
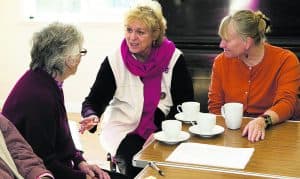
150,73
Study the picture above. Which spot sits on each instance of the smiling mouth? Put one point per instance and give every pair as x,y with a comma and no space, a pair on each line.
134,45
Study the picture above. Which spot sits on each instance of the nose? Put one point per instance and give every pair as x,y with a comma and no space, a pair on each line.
132,35
222,44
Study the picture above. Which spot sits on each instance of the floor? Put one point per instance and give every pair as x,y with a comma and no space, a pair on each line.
87,142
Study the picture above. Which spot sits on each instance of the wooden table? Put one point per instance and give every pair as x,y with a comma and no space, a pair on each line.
277,156
176,172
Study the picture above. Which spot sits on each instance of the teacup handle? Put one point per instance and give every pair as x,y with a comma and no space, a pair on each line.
179,108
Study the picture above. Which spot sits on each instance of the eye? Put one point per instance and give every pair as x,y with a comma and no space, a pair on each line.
140,33
129,30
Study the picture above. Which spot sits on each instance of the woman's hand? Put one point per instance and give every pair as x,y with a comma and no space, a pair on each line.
255,129
88,123
93,171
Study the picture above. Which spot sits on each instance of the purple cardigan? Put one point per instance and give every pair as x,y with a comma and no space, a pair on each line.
36,107
28,164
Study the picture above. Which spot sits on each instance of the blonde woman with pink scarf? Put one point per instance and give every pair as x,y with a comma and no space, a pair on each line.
137,87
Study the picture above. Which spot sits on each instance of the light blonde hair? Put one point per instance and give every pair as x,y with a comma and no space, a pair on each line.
150,13
247,24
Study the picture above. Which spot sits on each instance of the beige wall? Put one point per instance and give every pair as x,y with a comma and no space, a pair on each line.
15,35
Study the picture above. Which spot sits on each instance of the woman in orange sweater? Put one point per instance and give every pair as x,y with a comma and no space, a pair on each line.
264,78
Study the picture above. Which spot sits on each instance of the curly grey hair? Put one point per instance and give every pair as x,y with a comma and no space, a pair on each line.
52,45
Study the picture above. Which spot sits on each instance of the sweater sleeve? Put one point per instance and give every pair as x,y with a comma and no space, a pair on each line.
101,92
215,92
27,162
181,85
40,116
288,83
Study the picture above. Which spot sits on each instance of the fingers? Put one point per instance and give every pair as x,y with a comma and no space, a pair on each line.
256,135
86,120
81,130
97,172
88,123
245,131
102,174
90,173
87,169
255,131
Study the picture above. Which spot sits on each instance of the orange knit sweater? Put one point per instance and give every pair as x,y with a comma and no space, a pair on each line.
271,84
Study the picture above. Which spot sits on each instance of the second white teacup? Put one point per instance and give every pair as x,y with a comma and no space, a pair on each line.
233,114
190,110
171,128
206,122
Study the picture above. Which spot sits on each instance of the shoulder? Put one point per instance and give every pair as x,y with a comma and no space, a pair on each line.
279,51
177,58
32,90
114,60
114,56
177,52
221,60
281,55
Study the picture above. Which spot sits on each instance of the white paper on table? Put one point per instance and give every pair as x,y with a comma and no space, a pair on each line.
211,155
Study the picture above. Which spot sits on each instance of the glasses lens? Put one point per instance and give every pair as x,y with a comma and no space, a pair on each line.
83,52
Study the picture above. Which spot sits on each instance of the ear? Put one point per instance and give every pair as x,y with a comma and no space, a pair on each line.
155,34
248,42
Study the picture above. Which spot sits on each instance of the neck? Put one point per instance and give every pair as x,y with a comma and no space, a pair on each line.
140,57
254,55
60,78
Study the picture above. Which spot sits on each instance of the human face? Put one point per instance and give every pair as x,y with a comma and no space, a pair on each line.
232,44
138,38
76,59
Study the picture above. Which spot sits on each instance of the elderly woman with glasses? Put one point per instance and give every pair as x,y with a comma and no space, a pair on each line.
137,87
36,103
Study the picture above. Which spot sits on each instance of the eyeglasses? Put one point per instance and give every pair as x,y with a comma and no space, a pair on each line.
83,52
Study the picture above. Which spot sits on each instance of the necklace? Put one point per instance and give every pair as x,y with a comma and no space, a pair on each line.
252,60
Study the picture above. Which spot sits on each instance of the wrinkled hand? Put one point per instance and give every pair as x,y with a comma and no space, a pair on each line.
93,171
255,129
88,123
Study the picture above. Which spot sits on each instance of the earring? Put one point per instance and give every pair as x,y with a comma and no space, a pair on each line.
154,43
246,53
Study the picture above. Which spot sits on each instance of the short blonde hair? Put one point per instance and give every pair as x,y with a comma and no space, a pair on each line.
248,24
150,13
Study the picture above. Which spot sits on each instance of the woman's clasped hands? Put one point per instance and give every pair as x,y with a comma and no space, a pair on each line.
93,171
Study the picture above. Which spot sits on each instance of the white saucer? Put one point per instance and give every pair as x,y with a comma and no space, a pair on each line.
180,117
216,131
160,136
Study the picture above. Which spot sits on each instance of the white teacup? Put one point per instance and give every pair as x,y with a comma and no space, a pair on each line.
233,114
190,110
206,122
171,128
